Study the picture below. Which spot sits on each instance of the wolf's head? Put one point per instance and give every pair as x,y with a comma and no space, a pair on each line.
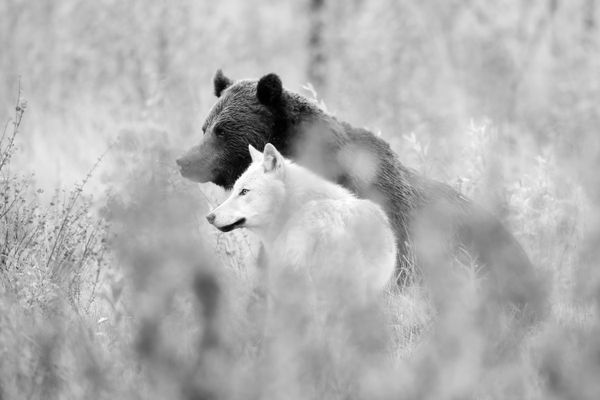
257,196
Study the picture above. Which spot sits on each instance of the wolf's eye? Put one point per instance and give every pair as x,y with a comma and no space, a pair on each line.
243,192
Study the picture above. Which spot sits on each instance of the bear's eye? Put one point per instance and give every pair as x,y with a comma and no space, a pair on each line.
218,131
243,192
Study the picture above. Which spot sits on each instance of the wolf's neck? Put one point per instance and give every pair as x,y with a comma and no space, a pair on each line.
301,187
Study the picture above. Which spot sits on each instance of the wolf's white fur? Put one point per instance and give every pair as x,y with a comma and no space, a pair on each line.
308,223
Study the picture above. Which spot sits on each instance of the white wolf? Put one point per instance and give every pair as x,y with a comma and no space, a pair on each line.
310,224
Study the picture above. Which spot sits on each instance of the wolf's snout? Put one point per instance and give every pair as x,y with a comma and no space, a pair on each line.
211,218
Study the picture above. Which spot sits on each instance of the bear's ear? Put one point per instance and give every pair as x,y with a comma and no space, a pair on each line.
254,154
269,90
221,82
272,159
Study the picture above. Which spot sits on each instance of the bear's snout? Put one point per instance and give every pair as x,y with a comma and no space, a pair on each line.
182,162
211,218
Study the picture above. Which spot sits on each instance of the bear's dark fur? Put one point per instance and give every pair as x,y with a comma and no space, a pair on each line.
259,112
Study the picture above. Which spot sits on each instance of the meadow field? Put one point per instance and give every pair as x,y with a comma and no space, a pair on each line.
113,285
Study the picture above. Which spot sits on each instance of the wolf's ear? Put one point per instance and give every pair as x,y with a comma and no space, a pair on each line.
254,154
269,90
272,159
221,82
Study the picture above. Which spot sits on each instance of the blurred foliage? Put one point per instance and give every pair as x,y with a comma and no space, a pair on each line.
399,67
144,300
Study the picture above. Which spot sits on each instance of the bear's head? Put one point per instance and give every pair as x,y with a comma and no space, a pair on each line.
257,196
246,112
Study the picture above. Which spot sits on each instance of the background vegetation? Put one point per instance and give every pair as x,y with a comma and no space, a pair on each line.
113,286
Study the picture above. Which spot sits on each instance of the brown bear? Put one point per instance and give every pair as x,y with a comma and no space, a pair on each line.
261,111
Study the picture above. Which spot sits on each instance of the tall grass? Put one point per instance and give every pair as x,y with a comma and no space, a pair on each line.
144,300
